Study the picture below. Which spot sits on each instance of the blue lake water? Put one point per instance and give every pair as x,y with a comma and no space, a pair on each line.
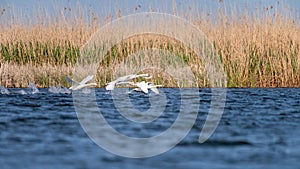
260,128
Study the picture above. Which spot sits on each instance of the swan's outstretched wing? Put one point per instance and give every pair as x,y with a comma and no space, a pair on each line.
155,90
85,80
70,81
81,86
143,86
132,76
153,87
144,89
125,78
120,80
125,83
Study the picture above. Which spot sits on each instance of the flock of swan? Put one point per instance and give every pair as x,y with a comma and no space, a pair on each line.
142,86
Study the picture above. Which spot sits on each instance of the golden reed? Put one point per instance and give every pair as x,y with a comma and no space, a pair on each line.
256,51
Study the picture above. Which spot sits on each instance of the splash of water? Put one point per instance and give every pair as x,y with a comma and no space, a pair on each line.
3,90
33,88
59,89
22,92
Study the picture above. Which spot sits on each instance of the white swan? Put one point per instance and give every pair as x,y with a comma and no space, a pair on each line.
79,85
143,87
125,80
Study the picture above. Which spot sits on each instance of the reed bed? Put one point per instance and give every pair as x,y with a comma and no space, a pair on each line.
259,52
44,75
255,51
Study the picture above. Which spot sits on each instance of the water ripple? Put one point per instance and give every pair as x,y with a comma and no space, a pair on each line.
258,126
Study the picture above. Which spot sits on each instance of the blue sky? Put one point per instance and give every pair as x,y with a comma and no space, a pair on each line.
28,8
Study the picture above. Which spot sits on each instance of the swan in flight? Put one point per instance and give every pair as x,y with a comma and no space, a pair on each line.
79,85
125,80
143,87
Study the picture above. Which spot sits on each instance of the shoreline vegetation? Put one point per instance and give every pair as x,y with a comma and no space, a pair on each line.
260,50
